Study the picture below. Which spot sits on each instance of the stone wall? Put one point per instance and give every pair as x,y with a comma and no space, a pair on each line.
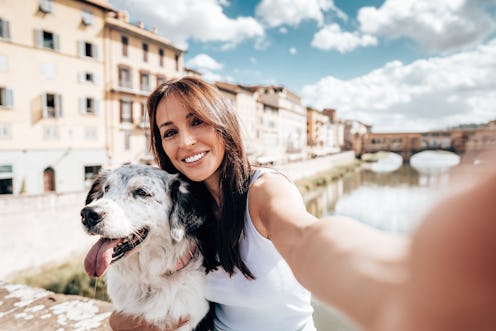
39,230
32,309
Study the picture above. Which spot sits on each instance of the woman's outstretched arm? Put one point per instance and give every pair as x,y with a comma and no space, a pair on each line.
442,278
342,262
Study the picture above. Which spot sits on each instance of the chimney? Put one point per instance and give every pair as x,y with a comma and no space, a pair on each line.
140,24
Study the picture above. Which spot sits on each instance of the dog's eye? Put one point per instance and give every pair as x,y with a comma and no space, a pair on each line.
106,188
141,193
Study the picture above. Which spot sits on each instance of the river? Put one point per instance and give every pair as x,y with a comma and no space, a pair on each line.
390,201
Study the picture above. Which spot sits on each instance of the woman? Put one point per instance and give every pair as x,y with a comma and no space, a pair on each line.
267,243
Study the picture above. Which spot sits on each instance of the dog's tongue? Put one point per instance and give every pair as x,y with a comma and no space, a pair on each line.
99,257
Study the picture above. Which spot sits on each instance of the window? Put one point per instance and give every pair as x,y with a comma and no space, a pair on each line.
46,6
90,173
145,81
88,49
87,77
125,44
161,57
6,177
47,39
126,109
89,106
87,17
145,52
176,58
6,98
144,122
125,77
4,29
52,105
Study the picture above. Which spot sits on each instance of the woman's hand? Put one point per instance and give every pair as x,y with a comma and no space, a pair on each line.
122,322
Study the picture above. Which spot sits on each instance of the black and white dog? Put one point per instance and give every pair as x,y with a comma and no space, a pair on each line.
151,245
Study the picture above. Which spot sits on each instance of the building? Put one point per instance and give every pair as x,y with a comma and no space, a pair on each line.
244,101
291,141
137,60
74,77
52,70
324,132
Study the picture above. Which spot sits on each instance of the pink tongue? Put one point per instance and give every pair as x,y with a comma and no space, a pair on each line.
99,257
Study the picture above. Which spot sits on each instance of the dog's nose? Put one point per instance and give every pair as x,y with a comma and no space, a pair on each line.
90,217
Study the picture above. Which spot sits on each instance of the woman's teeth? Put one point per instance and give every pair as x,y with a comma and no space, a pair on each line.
194,157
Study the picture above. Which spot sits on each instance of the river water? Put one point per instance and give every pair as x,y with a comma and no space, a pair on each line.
391,201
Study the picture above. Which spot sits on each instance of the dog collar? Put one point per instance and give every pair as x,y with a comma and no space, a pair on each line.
183,260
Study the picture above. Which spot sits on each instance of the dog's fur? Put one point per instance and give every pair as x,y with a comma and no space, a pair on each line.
145,282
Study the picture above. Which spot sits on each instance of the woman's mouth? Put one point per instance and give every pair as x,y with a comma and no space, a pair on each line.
194,158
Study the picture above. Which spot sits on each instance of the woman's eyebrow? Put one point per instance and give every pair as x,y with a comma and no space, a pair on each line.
170,122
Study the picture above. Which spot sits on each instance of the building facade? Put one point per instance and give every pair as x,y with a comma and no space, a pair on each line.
51,80
74,77
137,61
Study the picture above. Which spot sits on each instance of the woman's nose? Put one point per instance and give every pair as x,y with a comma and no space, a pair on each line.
187,139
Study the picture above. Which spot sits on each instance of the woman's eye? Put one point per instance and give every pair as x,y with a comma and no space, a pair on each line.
196,121
141,192
169,133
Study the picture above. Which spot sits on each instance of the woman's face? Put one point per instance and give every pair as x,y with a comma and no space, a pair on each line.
195,148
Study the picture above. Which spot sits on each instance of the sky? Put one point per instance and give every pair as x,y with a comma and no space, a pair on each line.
398,65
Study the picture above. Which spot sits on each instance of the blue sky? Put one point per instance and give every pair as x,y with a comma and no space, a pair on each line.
399,65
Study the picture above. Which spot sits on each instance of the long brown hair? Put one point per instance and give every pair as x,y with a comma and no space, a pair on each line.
207,103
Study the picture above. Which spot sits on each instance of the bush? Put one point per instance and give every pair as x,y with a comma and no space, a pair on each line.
68,278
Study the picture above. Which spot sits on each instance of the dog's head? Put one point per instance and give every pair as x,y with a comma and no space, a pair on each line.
126,205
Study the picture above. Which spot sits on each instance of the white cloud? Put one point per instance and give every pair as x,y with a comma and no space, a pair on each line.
203,61
202,20
293,51
283,30
253,60
208,66
332,37
426,94
441,25
279,12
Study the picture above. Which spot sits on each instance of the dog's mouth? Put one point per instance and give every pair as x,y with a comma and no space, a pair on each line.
107,251
126,244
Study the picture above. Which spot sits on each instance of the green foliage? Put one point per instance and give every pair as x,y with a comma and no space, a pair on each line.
68,278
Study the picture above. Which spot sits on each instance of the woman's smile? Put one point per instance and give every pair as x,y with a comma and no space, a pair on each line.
195,157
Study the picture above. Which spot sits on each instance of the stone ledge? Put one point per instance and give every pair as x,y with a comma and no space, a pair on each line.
27,308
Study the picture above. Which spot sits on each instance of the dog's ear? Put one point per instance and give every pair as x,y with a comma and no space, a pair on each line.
185,216
96,190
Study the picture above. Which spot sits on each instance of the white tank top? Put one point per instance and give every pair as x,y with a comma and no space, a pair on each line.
274,301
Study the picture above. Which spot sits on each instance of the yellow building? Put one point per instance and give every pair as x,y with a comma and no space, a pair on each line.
51,76
137,61
74,75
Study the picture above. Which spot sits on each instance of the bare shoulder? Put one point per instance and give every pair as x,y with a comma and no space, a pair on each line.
272,189
274,201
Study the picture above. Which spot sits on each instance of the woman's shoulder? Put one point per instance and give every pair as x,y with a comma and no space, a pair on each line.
270,185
